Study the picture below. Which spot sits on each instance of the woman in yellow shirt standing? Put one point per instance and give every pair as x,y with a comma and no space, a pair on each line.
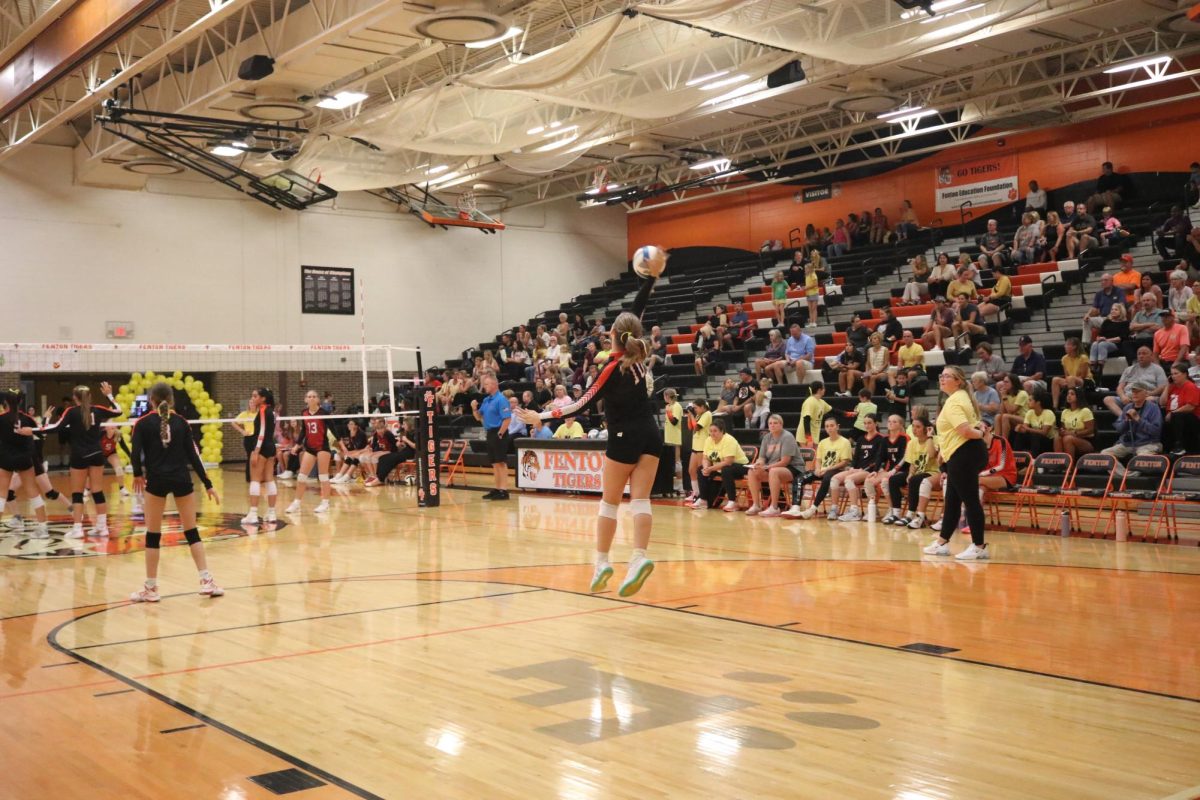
960,441
698,420
672,428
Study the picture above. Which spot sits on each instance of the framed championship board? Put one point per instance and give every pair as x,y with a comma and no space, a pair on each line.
326,290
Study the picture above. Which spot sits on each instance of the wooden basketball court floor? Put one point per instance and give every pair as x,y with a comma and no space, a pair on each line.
395,652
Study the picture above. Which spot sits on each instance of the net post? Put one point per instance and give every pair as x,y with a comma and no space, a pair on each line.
420,369
391,378
429,455
366,398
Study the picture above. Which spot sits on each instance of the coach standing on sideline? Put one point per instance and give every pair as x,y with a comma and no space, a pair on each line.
495,414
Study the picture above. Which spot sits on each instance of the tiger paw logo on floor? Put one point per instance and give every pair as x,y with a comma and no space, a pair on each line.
126,535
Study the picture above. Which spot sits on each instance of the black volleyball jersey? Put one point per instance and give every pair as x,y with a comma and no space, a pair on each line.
85,442
166,460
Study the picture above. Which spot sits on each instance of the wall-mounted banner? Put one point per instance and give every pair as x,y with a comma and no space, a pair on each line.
983,181
814,193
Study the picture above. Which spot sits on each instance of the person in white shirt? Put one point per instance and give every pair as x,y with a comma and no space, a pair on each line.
1036,199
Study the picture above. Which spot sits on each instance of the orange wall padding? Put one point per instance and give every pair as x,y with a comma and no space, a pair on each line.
1154,140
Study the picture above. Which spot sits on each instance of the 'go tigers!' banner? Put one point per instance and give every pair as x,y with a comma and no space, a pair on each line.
983,181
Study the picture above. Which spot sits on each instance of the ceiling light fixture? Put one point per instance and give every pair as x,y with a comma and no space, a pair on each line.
449,176
706,78
935,8
719,164
721,84
342,100
535,131
940,17
226,150
899,112
440,168
741,91
1143,62
916,115
508,34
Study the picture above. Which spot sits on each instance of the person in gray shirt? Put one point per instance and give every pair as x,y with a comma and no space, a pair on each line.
987,397
1146,321
779,460
990,363
1145,370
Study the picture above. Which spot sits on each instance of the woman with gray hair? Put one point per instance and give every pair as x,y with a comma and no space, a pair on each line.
987,397
779,460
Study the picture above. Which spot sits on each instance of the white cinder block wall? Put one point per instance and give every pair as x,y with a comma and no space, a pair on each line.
189,261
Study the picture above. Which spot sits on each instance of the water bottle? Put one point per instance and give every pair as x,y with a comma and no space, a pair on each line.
1066,524
1122,526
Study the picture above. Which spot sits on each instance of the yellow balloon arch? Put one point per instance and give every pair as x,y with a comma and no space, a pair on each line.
212,434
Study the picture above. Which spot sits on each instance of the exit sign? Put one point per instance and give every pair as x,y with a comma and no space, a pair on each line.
119,330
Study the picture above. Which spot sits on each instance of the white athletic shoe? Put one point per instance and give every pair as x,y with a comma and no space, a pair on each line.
76,532
124,492
754,509
794,513
40,531
600,577
771,511
100,533
808,513
639,570
917,522
973,553
293,507
147,594
890,519
15,523
251,518
832,516
852,515
729,506
936,548
271,518
322,507
698,504
903,521
209,588
286,475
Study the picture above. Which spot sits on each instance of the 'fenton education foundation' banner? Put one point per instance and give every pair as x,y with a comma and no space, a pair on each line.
983,181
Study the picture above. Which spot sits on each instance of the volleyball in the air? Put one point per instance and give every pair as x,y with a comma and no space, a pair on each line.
649,261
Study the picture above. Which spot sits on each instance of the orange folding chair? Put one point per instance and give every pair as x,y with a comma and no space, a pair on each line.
1023,460
1091,478
1145,480
1047,478
453,463
1182,494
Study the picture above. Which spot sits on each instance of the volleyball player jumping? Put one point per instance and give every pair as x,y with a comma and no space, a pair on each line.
315,446
163,441
262,457
83,425
634,443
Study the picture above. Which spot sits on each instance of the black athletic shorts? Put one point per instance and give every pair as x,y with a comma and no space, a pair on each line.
161,487
12,462
84,462
497,447
267,450
313,451
627,444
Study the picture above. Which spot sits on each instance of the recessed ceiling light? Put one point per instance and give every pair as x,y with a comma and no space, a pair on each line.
508,34
342,100
721,84
440,168
226,150
535,130
718,164
706,78
1132,65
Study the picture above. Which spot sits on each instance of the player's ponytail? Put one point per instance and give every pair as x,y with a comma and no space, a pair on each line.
162,398
83,396
627,336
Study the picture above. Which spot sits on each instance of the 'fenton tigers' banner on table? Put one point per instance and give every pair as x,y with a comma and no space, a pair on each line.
564,470
983,181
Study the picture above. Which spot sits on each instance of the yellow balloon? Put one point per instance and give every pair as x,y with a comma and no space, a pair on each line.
177,375
188,381
135,377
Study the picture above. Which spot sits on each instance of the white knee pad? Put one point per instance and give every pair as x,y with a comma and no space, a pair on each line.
255,488
607,510
302,478
323,478
36,503
272,490
119,471
926,488
641,507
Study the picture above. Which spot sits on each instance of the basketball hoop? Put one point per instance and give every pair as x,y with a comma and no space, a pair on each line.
467,205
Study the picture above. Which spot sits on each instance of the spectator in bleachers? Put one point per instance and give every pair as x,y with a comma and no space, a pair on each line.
854,232
1138,425
993,250
542,336
1014,402
527,401
516,427
1127,279
1077,426
490,364
541,393
795,271
1109,338
1181,413
878,359
1029,366
1025,240
1102,304
1144,370
812,286
1146,320
858,334
773,356
1179,294
725,400
908,224
1191,189
879,227
898,393
725,457
743,399
939,326
986,397
658,350
1035,433
942,274
707,349
918,286
989,363
1052,242
1112,188
800,353
779,463
1146,286
569,429
1171,340
1001,297
1082,233
1077,373
740,327
848,366
1170,236
967,322
865,407
812,414
590,352
963,283
833,456
779,298
1190,253
1035,200
910,357
839,244
889,327
1069,213
561,399
1111,232
760,408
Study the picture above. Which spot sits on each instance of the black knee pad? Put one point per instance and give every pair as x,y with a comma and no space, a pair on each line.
192,535
352,461
77,498
153,541
11,496
53,494
98,498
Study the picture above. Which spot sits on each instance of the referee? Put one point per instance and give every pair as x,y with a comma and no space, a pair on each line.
495,414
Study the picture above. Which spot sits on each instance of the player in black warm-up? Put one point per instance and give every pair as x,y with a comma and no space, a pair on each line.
163,449
634,442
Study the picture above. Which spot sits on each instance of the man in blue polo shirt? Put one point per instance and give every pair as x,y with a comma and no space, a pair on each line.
495,414
799,350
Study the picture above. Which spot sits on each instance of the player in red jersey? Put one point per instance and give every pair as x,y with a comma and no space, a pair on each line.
313,449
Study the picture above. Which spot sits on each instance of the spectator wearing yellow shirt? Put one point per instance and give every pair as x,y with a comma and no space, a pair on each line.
862,410
1077,371
1014,401
1036,432
813,410
673,428
1000,297
244,422
699,418
960,435
569,429
1076,428
962,285
921,456
725,457
833,456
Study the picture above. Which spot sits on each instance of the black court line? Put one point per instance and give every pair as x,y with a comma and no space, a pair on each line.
62,664
184,728
681,608
784,625
304,619
110,694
